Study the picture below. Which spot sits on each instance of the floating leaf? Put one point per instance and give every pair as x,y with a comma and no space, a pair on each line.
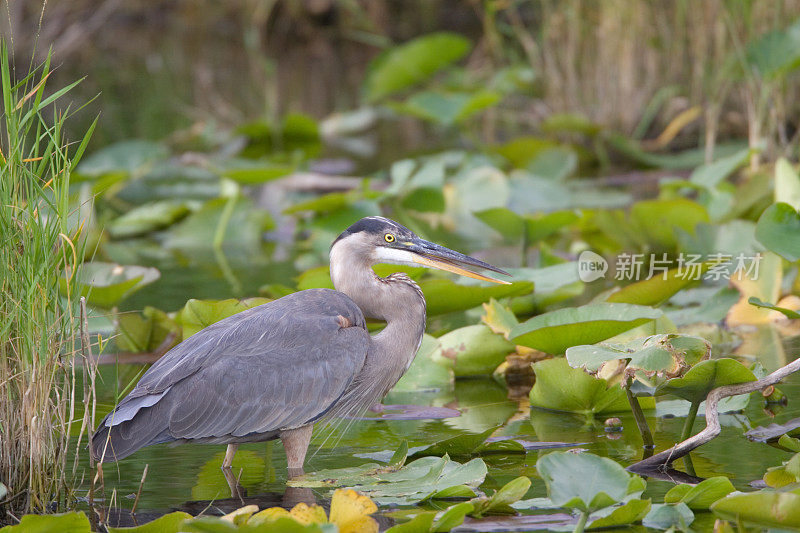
778,229
199,314
148,217
665,354
425,478
702,495
169,523
472,350
500,502
657,289
668,516
75,522
583,481
146,332
105,285
446,296
556,331
447,108
126,157
500,319
705,376
711,174
425,373
632,511
560,387
788,313
765,508
412,63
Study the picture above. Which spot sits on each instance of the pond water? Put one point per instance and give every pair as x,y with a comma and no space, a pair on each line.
188,477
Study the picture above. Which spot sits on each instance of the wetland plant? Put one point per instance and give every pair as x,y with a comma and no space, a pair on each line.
41,239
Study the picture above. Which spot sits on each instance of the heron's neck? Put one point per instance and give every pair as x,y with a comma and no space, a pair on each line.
395,299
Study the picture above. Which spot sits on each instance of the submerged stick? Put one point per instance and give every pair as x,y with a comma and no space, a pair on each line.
712,428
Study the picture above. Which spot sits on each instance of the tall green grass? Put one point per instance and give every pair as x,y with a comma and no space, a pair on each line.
39,342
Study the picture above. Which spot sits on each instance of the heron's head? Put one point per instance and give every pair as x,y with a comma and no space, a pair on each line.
374,240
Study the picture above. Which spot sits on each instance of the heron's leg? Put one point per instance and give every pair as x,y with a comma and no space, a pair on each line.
295,442
229,453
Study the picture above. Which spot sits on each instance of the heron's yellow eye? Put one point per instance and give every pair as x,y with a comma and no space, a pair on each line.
388,237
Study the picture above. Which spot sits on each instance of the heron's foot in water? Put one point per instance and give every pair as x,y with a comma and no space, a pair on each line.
237,491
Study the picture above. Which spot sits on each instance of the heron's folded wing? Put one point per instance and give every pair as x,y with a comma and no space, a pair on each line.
275,366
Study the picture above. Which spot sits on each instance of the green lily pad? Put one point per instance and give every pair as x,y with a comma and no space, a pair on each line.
786,474
447,108
105,285
500,502
556,331
669,516
778,229
425,374
445,296
499,318
146,332
705,376
532,227
169,182
147,218
655,290
472,350
583,481
169,523
243,229
126,157
75,522
788,313
764,508
559,387
413,62
632,511
199,314
425,478
656,354
702,495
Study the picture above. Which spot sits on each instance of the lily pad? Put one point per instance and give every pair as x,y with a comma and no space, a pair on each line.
445,296
413,62
425,478
500,319
559,387
148,217
778,229
556,331
125,157
75,522
169,523
146,332
669,516
105,285
199,314
657,289
764,508
665,354
425,374
705,376
447,108
500,502
788,313
702,495
630,512
583,481
472,350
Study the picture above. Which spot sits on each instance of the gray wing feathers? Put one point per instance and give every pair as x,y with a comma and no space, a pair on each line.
276,366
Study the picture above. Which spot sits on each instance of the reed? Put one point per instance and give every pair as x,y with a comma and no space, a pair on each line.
41,253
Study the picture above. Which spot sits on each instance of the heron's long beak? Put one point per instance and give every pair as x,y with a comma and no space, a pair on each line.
432,255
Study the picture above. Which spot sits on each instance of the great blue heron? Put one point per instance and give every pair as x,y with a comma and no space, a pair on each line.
274,370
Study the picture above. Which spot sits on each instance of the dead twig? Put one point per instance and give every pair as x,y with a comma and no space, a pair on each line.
712,429
139,492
